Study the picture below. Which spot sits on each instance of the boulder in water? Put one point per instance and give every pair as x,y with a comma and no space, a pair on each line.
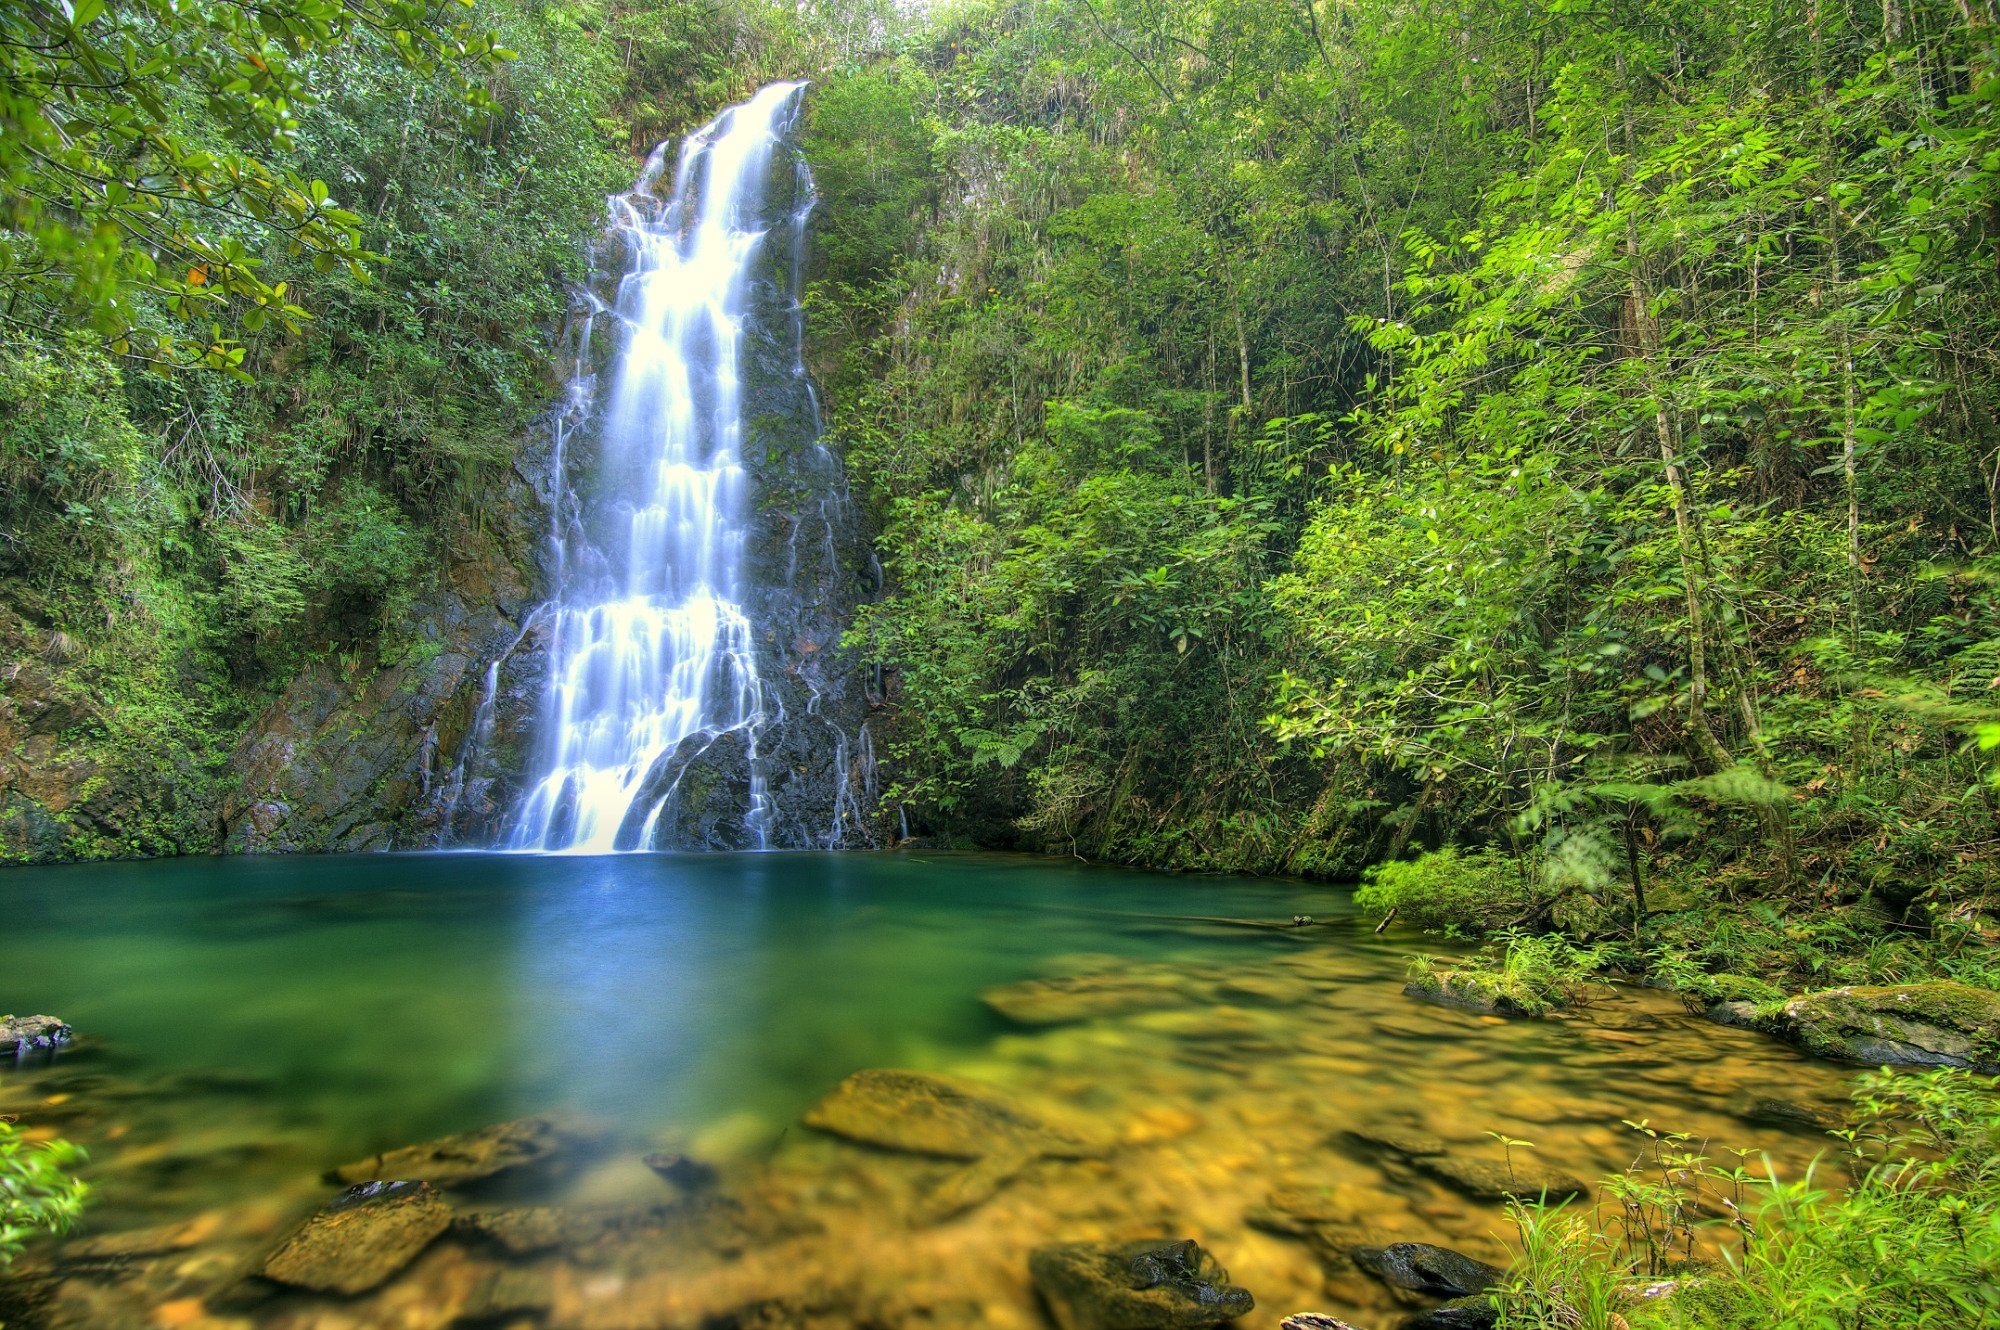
361,1238
1313,1321
467,1157
1939,1024
1159,1284
29,1034
1422,1268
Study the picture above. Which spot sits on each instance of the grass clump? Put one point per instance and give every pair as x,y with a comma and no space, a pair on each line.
1912,1240
1523,974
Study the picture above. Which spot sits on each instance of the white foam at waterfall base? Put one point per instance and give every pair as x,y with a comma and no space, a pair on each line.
653,645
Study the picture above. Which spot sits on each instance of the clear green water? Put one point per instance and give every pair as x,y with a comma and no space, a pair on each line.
248,1023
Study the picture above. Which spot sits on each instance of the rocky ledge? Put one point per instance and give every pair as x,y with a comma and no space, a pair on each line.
29,1034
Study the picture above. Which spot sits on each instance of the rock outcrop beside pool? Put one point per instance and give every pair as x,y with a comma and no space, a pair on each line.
28,1034
1939,1024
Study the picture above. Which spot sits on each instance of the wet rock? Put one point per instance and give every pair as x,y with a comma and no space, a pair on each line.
1081,997
944,1116
1151,1285
361,1238
1420,1267
1461,988
1313,1321
1494,1180
1474,1313
29,1034
518,1230
685,1173
467,1157
1939,1024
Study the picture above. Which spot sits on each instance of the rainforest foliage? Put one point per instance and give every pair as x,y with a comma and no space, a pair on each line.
1309,434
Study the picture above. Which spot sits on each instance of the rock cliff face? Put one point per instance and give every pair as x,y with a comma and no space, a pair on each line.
363,756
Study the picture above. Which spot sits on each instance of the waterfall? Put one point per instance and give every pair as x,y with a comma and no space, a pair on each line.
658,696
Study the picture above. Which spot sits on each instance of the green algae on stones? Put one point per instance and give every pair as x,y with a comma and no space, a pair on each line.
1941,1024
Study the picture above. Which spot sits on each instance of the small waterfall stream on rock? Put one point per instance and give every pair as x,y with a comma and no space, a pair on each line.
676,629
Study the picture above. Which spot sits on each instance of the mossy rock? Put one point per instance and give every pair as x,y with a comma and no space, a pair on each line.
1470,989
1940,1024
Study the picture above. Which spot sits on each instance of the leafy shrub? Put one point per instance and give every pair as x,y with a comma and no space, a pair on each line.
37,1194
1450,891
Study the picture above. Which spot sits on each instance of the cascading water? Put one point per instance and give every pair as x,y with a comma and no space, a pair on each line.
660,639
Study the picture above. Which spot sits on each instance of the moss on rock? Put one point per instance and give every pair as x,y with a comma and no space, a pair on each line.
1939,1024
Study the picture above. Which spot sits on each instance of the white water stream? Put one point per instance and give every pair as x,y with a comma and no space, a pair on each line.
651,641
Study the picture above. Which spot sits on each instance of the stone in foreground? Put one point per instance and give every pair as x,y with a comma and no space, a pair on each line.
1313,1321
1939,1024
29,1034
361,1238
1423,1268
1458,1314
1160,1284
467,1157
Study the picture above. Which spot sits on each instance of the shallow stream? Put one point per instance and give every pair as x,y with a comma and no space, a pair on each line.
247,1024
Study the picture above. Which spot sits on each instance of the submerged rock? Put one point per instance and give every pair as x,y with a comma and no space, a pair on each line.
686,1173
949,1119
1791,1112
925,1114
360,1238
1474,1313
1939,1024
1159,1284
1494,1180
28,1034
1409,1142
1422,1268
467,1157
517,1230
1081,997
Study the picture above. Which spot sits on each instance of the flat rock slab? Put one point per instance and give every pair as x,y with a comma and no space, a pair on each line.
1423,1268
1931,1025
467,1157
1493,1180
361,1238
29,1034
943,1116
1158,1284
